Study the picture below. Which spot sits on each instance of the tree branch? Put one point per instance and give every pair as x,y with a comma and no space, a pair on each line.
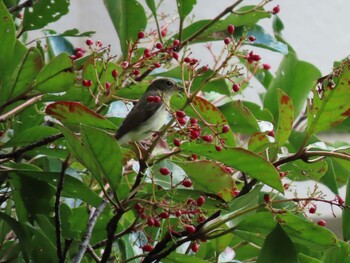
95,213
20,6
60,254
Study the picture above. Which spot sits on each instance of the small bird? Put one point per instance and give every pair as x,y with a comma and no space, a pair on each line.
149,114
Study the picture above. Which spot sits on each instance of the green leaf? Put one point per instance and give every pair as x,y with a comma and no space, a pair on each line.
212,114
258,142
213,178
299,170
346,214
128,18
8,39
57,45
285,118
239,117
185,7
21,233
217,31
330,106
329,179
182,258
30,135
44,12
277,248
339,254
73,187
105,153
306,233
56,76
75,114
255,227
295,78
266,41
307,259
25,73
152,6
240,159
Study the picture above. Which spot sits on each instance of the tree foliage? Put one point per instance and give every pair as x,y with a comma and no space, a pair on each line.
211,187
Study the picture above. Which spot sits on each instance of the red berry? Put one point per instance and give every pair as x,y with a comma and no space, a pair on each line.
218,148
322,222
175,55
108,85
157,223
230,29
207,138
187,183
256,57
125,64
194,134
190,229
99,43
164,31
252,38
180,114
194,247
150,221
147,53
73,57
164,171
79,54
194,157
200,200
178,213
159,45
266,198
147,248
114,73
157,99
187,59
276,9
164,215
227,40
193,121
225,129
136,72
176,42
271,133
340,200
266,66
182,121
312,210
87,83
141,34
138,206
89,42
156,65
177,142
143,216
150,98
235,87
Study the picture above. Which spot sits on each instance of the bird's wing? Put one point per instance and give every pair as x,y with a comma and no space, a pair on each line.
139,114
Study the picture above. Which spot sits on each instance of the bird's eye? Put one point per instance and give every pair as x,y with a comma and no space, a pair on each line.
169,83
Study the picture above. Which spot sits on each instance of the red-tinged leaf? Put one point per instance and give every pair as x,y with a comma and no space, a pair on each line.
258,142
240,159
75,114
213,178
213,115
285,117
330,104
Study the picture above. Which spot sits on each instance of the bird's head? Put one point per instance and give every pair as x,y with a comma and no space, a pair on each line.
166,87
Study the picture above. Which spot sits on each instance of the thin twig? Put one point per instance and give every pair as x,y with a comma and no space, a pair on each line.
94,214
30,147
20,6
59,189
19,108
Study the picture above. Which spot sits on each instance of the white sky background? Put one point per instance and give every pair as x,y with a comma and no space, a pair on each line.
317,29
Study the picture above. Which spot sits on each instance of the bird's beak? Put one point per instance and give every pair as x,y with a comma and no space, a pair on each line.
179,88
